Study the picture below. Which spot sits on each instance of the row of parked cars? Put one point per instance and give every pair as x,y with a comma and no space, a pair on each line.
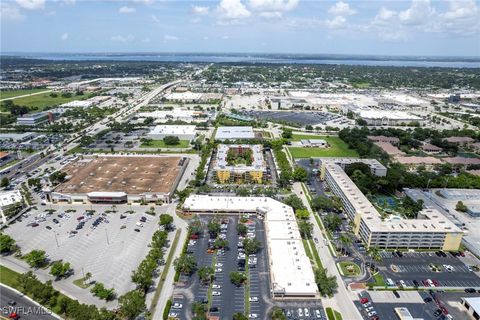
369,309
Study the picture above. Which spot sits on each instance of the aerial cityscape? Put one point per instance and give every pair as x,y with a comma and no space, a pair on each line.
240,159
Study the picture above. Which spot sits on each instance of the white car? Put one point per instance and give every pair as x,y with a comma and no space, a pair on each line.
173,314
218,270
177,305
218,264
252,316
216,293
253,299
402,283
300,312
307,313
216,286
372,313
317,314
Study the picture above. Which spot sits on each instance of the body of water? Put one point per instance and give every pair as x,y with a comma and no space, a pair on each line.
445,62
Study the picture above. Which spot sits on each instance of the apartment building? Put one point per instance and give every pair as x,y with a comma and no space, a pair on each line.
431,230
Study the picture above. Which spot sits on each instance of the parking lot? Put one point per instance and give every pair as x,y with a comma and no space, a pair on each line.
419,266
381,305
226,298
109,245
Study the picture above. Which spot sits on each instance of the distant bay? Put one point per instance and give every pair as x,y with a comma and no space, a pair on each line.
330,59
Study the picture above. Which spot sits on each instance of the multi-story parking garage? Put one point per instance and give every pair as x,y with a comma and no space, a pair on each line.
291,273
431,230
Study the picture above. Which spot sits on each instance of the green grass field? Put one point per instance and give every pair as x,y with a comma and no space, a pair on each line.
160,144
39,102
8,276
16,93
338,148
344,266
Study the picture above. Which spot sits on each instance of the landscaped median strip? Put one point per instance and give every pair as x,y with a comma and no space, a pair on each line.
333,314
247,288
163,276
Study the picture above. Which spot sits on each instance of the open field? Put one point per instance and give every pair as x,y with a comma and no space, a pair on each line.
41,101
161,144
16,93
338,148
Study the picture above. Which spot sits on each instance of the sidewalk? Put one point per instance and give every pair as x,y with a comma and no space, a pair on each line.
168,285
342,301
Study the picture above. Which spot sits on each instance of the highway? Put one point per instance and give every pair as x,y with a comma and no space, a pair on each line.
24,307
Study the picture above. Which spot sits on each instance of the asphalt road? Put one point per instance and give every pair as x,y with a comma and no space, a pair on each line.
24,308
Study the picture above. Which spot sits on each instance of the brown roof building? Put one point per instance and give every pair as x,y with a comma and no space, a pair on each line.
393,140
389,148
462,160
460,140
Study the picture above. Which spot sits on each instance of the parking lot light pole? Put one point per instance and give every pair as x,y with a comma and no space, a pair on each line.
56,239
106,234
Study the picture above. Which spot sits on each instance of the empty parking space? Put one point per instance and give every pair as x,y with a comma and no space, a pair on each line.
109,245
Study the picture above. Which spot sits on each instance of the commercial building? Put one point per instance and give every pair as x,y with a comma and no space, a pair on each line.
10,203
251,170
161,116
17,137
120,179
185,132
291,273
35,119
375,117
318,143
430,148
376,168
430,231
473,306
234,133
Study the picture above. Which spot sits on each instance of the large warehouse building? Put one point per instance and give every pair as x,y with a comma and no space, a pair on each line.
226,172
185,132
115,179
234,133
291,273
430,231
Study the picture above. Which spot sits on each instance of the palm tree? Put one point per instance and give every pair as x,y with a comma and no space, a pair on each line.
374,252
345,241
87,277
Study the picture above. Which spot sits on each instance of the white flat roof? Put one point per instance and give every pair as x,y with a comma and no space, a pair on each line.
77,103
387,114
183,96
106,194
10,197
173,129
224,133
290,268
474,303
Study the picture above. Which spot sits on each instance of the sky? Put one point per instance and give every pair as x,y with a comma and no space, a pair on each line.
410,27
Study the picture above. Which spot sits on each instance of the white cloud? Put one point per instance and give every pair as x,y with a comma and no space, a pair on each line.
64,36
144,1
124,39
385,14
31,4
68,2
155,18
10,12
146,40
272,8
126,9
336,23
341,9
200,10
205,38
170,38
233,9
419,12
51,13
225,37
